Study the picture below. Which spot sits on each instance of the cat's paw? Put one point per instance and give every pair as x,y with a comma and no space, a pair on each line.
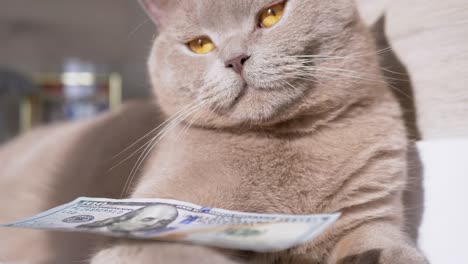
399,255
155,253
402,255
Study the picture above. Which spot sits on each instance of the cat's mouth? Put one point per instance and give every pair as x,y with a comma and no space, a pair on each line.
258,103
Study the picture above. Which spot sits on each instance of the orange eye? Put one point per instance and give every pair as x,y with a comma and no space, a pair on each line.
270,16
202,45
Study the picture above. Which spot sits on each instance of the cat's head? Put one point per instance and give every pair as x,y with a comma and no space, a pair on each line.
260,62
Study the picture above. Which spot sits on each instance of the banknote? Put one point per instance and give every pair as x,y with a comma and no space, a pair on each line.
171,220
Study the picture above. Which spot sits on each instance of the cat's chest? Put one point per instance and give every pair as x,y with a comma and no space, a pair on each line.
248,173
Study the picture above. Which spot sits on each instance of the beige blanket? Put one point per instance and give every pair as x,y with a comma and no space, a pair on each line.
430,37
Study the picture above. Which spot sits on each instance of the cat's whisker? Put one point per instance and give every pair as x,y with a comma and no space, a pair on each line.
301,93
330,73
350,78
145,136
150,146
355,73
151,132
138,27
401,92
163,131
194,118
361,62
307,78
366,80
355,55
195,115
177,122
333,76
157,139
378,52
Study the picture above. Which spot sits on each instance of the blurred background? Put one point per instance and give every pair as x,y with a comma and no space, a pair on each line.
69,60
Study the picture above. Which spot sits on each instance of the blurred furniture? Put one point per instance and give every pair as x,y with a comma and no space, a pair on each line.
37,36
70,96
13,88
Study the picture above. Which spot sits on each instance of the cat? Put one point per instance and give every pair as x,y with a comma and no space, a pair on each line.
286,112
272,107
55,164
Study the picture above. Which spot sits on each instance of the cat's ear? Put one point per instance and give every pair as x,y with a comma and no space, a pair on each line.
156,9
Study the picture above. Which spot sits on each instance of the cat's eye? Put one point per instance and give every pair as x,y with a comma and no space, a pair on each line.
201,45
272,15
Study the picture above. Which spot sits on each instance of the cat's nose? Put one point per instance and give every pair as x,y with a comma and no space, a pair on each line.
237,62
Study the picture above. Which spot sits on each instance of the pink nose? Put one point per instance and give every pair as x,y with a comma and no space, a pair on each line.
237,62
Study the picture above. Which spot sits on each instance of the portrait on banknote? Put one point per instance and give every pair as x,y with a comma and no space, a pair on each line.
153,217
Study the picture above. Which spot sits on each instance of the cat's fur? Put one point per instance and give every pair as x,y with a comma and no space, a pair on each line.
327,145
284,143
54,165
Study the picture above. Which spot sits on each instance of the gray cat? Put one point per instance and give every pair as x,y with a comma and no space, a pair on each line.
275,107
288,113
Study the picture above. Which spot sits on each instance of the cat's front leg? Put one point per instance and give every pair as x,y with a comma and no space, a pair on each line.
159,253
376,243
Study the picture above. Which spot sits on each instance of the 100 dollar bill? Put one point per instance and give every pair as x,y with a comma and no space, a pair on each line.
170,220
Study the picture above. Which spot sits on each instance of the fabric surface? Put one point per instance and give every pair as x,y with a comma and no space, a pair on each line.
430,37
444,228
